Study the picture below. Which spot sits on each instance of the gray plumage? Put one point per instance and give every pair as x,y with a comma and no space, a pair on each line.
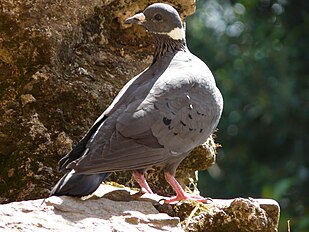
156,119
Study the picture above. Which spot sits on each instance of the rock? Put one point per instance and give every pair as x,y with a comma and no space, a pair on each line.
239,214
61,64
118,208
26,98
71,214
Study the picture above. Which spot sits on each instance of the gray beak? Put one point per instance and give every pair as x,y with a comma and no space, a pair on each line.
136,19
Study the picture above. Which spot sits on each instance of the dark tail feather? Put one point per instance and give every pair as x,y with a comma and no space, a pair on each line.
80,149
78,185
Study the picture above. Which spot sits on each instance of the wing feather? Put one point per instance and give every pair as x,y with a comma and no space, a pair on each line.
167,118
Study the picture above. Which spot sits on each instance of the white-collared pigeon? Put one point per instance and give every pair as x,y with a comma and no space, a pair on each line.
157,118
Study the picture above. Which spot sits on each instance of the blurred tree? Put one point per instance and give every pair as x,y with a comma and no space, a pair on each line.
258,52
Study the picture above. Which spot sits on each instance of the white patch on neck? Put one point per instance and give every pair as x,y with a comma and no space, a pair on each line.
176,34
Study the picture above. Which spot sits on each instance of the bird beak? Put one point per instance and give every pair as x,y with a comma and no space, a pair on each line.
136,19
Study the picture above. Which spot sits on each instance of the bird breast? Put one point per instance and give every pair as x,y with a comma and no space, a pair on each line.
189,106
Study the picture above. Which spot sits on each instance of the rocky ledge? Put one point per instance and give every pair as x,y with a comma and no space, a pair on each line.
117,208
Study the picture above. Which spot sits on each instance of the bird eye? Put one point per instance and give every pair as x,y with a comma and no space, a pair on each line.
158,17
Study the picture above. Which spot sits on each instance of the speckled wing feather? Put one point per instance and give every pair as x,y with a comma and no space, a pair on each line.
181,110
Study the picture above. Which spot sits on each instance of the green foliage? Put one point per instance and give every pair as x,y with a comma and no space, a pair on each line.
258,52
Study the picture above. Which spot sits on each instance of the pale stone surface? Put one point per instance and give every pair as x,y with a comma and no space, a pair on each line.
237,214
118,208
72,214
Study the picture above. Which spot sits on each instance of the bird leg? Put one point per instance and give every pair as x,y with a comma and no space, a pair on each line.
140,179
180,193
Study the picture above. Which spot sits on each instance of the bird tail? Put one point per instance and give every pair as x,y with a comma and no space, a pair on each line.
77,184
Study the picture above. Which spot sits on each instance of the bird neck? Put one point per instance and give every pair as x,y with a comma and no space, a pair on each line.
165,45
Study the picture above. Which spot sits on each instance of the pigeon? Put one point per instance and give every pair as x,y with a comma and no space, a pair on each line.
157,118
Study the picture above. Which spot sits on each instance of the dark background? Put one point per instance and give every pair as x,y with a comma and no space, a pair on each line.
258,52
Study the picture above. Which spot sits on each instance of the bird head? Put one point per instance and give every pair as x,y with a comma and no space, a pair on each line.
160,19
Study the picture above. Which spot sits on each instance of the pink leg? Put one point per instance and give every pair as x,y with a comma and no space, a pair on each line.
142,182
180,193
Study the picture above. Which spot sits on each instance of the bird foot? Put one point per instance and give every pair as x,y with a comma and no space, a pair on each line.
186,196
